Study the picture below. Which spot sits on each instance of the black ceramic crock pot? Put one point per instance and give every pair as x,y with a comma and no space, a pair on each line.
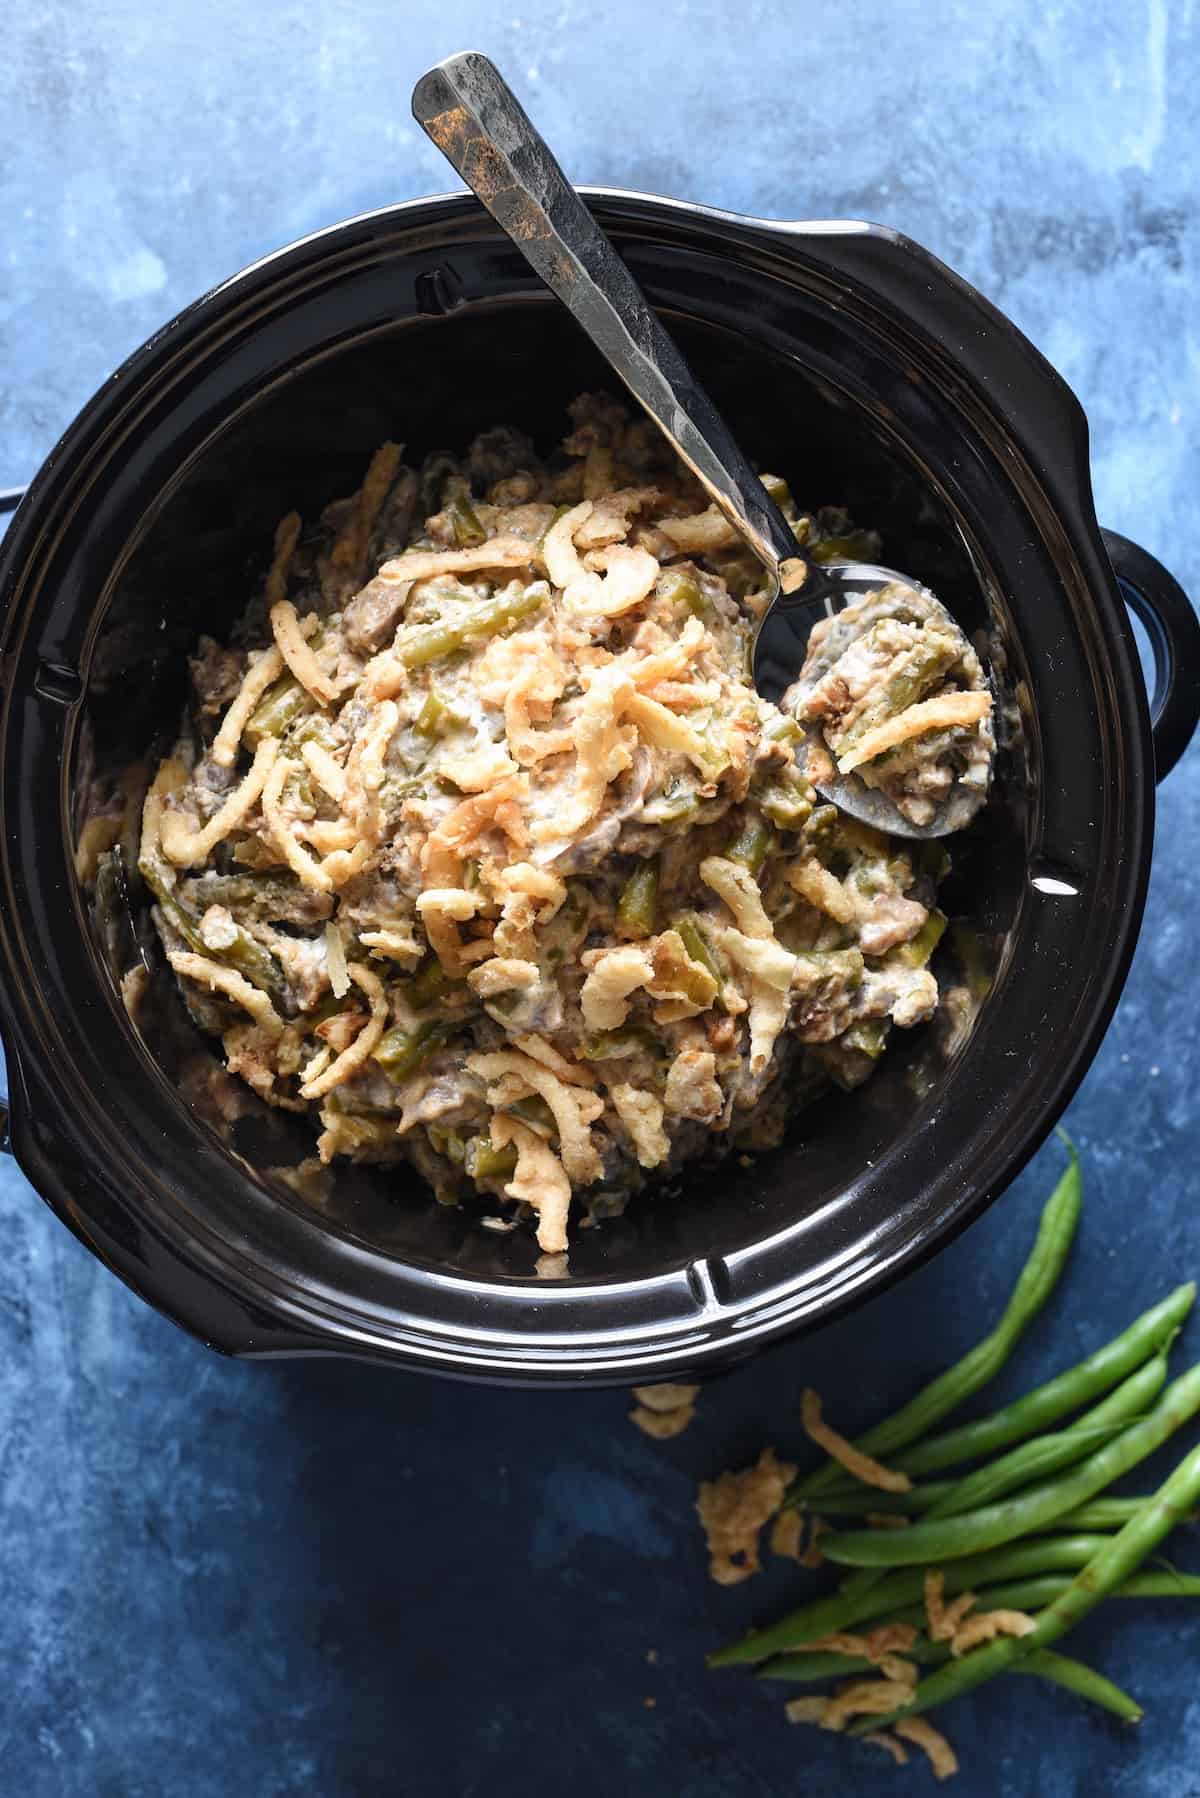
849,360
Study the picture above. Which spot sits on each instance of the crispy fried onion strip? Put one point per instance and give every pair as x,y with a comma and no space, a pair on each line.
699,533
297,653
662,966
423,564
441,909
664,1411
325,769
753,948
263,671
921,1732
282,829
461,832
867,1698
525,676
186,846
739,890
538,1049
356,1056
233,985
916,721
665,729
502,974
614,580
574,1109
287,535
884,1647
862,1467
823,890
350,550
985,1626
945,1620
882,1739
539,1179
642,1115
365,770
733,1509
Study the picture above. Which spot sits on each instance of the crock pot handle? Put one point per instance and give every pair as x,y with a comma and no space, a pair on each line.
1174,631
10,499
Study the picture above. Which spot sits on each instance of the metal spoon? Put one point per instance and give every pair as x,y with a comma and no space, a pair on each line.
475,119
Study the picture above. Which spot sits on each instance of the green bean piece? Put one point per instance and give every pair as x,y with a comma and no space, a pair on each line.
464,520
429,982
616,1045
927,662
535,1112
752,845
906,1586
1120,1557
781,729
787,803
779,490
435,715
1036,1282
637,904
679,588
482,1162
400,1051
437,472
280,707
918,951
433,642
691,933
847,546
245,953
1066,1392
1082,1680
931,1542
447,1143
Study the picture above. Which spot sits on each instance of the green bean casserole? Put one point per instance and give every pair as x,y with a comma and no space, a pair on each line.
479,847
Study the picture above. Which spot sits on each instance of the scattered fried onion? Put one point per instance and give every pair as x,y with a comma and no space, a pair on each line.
739,889
860,1466
822,890
502,974
186,846
922,1734
357,1055
664,1411
945,1620
985,1626
423,564
280,827
700,533
287,535
916,721
574,1110
233,985
540,1050
882,1739
325,769
441,909
642,1115
733,1509
659,726
787,1535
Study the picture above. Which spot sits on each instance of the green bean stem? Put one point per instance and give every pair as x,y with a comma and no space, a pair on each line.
1035,1284
1120,1556
929,1543
1046,1404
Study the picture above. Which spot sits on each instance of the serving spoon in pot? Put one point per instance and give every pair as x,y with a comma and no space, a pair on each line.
475,119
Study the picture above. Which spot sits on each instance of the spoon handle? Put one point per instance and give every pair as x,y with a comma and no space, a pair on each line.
475,119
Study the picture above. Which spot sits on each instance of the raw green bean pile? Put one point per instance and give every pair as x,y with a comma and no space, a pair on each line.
1026,1542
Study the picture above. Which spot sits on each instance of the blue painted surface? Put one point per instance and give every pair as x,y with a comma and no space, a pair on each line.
219,1580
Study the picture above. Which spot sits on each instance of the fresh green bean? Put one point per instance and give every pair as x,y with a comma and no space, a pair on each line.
1036,1282
1036,1594
1084,1681
808,1669
1120,1556
1046,1404
752,845
1101,1514
1040,1456
929,1543
401,1051
639,897
432,642
905,1586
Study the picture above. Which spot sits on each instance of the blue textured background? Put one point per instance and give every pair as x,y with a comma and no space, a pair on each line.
223,1581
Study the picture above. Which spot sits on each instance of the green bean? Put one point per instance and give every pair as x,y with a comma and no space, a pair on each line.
1041,1455
1084,1681
905,1586
806,1669
482,1162
1120,1556
401,1051
751,846
639,897
1101,1514
926,664
929,1543
787,803
535,1112
1046,1404
849,546
432,642
690,932
429,983
1036,1282
279,708
244,953
435,715
918,951
464,520
679,588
